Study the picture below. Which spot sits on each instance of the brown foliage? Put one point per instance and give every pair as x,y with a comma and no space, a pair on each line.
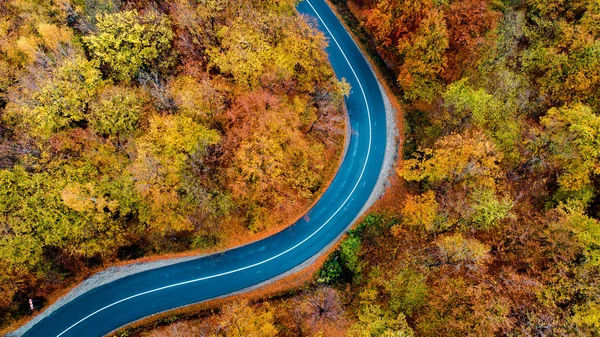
470,24
398,24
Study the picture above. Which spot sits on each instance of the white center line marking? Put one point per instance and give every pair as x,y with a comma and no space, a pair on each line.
284,252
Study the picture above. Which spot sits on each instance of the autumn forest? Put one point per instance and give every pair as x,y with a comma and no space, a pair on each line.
142,128
137,128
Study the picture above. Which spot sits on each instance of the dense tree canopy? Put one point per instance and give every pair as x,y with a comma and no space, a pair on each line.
429,43
127,42
493,228
140,127
133,128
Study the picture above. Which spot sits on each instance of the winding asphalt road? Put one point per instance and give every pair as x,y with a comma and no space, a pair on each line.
104,309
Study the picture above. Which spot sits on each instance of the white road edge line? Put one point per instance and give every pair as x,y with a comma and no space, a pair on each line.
288,250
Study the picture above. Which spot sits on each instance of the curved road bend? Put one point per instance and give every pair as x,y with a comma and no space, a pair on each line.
108,307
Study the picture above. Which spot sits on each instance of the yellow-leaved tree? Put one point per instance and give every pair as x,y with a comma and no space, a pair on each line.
241,320
571,143
161,158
